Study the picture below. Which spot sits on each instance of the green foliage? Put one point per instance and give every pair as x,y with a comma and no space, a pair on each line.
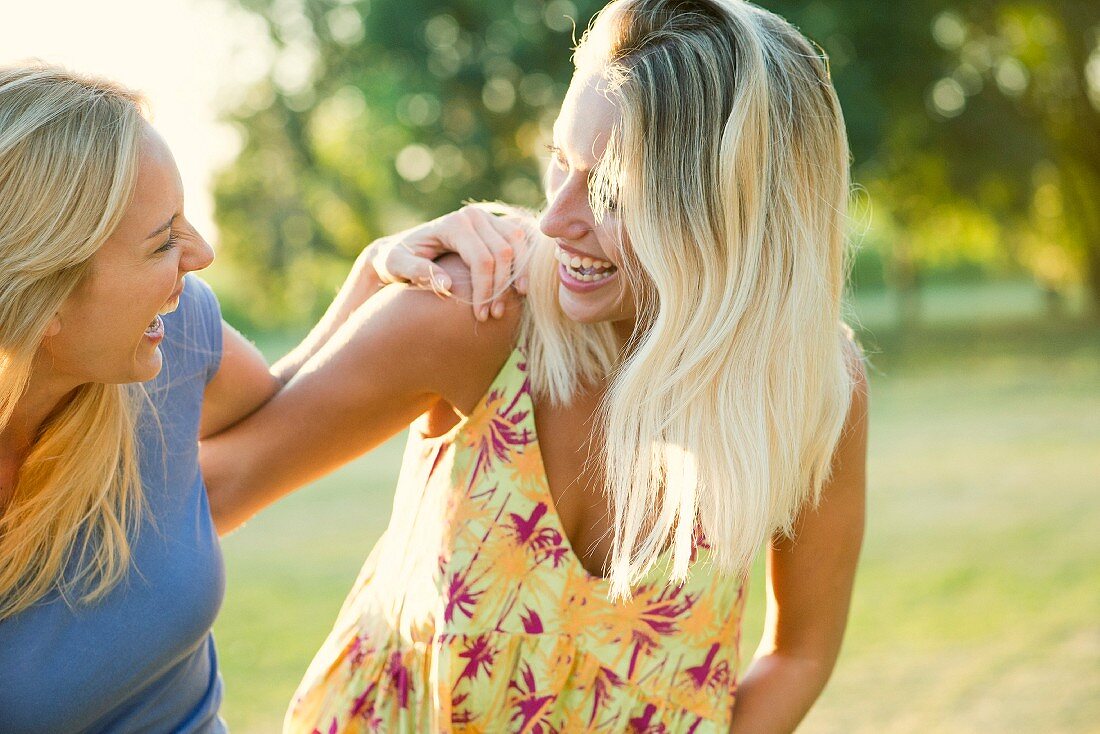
1022,87
974,130
375,116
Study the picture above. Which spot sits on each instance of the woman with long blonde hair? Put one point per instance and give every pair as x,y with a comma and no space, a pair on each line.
588,479
113,361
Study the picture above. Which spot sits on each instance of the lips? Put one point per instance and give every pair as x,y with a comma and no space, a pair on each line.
155,330
562,247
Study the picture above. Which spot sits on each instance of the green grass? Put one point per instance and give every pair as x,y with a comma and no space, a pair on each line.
977,604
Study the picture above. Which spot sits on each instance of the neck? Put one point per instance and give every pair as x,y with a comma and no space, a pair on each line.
44,396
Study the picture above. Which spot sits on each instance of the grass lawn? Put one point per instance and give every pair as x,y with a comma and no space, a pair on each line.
977,605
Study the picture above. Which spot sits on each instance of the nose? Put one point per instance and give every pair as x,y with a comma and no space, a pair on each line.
197,255
568,215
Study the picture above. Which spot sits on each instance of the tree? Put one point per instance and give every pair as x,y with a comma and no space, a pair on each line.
376,115
1042,59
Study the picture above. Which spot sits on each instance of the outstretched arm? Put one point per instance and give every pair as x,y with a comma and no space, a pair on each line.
490,245
396,356
809,581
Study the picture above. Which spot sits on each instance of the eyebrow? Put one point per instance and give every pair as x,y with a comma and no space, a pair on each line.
558,151
162,228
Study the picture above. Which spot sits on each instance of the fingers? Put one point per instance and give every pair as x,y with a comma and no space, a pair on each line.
430,276
374,257
490,246
513,232
503,254
394,260
404,265
456,233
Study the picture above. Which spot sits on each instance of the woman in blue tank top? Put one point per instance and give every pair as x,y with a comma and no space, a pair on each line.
114,360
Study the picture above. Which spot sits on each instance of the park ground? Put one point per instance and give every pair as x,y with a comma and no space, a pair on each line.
977,602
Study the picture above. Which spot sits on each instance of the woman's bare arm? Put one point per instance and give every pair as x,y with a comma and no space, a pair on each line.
809,582
491,246
396,356
242,383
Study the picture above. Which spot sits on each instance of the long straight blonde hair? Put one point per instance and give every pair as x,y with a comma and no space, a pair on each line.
68,167
729,163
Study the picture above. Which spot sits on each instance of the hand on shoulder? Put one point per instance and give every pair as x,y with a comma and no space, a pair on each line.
396,357
440,338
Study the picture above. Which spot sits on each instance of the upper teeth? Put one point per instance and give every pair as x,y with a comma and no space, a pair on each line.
585,269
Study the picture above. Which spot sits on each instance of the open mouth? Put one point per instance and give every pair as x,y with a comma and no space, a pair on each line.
155,328
585,269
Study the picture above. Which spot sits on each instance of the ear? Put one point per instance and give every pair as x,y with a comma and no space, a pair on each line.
54,327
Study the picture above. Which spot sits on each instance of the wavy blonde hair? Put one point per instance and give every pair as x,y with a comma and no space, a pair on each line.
729,163
68,166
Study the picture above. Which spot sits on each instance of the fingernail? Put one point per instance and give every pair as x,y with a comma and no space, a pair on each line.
483,313
521,285
498,310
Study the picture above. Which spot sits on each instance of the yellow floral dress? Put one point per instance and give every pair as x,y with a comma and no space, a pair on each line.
473,613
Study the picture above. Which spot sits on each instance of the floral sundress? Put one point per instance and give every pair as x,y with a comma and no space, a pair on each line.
473,613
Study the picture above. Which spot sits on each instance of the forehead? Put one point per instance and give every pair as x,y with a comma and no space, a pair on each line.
158,179
586,118
158,192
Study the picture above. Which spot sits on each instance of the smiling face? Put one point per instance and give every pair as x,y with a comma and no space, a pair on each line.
109,329
591,285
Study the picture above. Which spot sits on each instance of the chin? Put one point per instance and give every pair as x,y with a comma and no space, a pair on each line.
149,367
583,313
582,309
583,317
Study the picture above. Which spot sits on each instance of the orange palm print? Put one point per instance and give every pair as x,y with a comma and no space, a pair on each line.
496,626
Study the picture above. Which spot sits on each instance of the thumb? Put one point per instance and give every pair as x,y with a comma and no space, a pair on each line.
438,279
404,266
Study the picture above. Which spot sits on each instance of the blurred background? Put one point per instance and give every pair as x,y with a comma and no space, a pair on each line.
306,128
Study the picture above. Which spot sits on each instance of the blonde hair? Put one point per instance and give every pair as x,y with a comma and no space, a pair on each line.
68,166
729,163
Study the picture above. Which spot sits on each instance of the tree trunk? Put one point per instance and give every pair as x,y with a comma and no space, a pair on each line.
901,275
1092,275
1081,147
1081,187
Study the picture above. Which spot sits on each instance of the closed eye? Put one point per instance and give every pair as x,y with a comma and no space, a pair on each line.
169,243
558,156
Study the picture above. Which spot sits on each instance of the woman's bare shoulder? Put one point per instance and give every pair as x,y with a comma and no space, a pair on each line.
464,354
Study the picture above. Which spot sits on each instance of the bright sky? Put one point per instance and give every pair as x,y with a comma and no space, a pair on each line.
191,58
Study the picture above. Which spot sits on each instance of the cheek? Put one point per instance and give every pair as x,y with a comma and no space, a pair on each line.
552,181
612,240
115,306
89,334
